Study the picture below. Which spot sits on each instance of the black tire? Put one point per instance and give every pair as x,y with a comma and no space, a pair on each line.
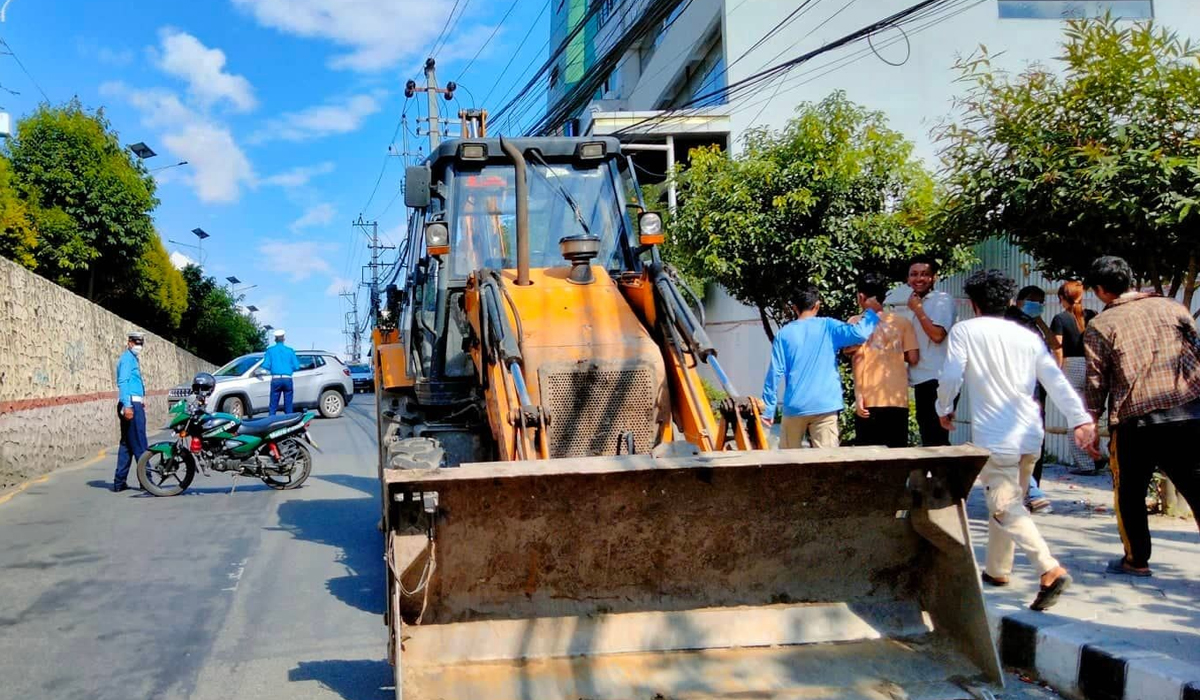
416,453
164,476
331,404
301,468
234,406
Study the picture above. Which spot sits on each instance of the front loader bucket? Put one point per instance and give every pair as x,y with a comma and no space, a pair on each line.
785,573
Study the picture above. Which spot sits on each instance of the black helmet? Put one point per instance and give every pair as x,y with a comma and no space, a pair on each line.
204,383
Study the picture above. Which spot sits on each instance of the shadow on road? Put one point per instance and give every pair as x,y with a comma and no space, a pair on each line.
349,525
351,679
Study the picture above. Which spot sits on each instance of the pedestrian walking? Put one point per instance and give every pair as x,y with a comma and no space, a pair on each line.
1143,367
281,362
1031,303
1000,363
805,354
881,370
1068,327
932,314
131,411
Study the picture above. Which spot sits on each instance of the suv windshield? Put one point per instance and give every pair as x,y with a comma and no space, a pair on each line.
238,367
362,369
483,211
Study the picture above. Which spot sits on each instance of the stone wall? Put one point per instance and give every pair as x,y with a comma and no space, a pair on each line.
58,355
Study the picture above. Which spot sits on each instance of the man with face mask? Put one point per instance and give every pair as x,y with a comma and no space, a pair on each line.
131,393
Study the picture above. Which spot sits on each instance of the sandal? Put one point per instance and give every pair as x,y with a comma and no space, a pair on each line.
1122,566
992,580
1048,595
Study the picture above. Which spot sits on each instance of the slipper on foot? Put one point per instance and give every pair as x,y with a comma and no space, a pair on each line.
1120,566
992,580
1048,595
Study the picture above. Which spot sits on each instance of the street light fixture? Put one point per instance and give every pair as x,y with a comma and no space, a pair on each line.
252,308
142,151
176,165
199,233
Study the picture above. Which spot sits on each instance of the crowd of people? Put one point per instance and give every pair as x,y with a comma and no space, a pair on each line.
1136,363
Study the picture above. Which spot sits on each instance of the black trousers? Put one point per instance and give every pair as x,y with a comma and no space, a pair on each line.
1171,448
887,426
932,432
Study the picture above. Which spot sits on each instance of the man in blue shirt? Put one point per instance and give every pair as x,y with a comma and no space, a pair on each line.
282,363
805,351
131,394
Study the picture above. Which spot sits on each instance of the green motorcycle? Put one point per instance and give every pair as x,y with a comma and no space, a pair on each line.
274,449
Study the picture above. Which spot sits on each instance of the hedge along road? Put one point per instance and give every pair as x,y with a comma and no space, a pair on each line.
255,595
258,594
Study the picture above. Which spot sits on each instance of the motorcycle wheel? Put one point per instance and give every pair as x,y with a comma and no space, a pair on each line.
301,466
163,476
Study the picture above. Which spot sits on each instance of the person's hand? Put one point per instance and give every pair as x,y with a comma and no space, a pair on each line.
916,304
1093,449
947,421
1085,437
860,410
128,413
768,421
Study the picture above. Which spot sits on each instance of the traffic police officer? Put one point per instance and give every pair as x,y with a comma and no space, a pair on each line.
131,395
281,362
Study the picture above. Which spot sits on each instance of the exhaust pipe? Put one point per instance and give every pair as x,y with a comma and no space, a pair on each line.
522,210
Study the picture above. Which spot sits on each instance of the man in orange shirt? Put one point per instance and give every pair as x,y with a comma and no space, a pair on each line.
881,371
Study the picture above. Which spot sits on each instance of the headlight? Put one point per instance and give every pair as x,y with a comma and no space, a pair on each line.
650,228
437,238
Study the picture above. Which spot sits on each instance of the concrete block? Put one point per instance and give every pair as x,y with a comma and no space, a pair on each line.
1059,649
1159,677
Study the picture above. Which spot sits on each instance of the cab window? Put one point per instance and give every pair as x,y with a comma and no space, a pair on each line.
308,362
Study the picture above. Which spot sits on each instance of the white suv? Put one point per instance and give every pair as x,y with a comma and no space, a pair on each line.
322,382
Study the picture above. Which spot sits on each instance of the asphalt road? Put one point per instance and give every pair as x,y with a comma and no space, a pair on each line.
254,594
210,595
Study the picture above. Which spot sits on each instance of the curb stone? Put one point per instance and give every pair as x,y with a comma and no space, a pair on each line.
1081,660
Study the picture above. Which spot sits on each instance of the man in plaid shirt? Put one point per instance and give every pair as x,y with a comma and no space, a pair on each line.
1143,366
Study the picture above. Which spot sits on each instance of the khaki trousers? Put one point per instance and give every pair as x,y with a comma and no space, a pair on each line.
822,431
1005,478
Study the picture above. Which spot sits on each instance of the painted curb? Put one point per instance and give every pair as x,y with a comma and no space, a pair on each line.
1084,661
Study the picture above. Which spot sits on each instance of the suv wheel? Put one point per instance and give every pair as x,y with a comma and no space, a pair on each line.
331,403
234,406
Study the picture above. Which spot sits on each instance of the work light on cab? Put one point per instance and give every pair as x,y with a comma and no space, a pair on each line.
437,238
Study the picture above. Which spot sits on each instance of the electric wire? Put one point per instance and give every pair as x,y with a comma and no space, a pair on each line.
491,36
24,69
442,33
513,57
453,26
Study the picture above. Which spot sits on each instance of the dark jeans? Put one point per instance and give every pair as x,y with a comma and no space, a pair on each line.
932,432
887,426
1170,447
281,386
1039,395
133,441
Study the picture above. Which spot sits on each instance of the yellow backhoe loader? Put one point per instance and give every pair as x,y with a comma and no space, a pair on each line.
566,515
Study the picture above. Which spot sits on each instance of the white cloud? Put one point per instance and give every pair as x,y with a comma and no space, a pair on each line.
335,117
218,166
160,108
339,285
316,215
376,33
271,310
203,69
179,260
298,176
298,260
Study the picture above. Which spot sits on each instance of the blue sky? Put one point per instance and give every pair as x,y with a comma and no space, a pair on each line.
284,110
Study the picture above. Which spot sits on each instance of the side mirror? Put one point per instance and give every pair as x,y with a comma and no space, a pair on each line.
650,228
260,372
417,181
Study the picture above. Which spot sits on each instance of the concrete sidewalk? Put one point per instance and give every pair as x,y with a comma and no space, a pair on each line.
1110,636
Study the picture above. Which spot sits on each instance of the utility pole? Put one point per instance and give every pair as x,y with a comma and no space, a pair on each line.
352,334
375,247
431,91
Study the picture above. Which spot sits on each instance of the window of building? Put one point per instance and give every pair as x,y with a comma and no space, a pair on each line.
702,77
1075,9
606,10
554,77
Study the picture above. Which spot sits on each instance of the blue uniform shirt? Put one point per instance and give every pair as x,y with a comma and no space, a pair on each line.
280,359
129,378
805,352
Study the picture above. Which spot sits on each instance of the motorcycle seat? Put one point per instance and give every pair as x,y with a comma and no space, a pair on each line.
263,426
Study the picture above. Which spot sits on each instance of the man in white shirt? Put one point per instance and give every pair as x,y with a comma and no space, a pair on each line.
932,314
1001,363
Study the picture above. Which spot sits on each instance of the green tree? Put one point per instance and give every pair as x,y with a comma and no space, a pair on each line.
211,326
18,240
1103,158
161,289
833,194
90,200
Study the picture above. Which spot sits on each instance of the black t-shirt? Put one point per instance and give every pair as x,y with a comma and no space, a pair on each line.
1072,338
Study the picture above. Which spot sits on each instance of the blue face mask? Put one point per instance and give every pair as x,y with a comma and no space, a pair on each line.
1033,309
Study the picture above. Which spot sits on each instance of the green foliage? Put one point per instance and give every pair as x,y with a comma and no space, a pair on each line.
212,327
834,194
18,240
90,199
161,287
1102,159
